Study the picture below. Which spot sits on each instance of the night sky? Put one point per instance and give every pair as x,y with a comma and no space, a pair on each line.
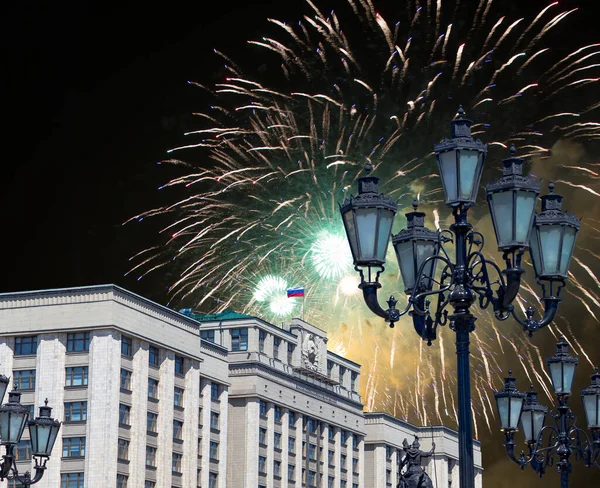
95,94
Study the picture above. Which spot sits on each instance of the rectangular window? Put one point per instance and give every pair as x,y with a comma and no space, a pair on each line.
343,435
262,464
208,335
343,461
176,463
179,365
25,345
330,482
153,388
74,447
126,346
78,342
214,391
355,465
355,441
178,397
121,481
342,483
24,379
342,372
262,335
262,436
123,450
291,471
239,339
330,457
353,377
291,419
71,480
312,478
290,352
75,411
23,451
151,422
276,342
149,484
151,456
153,356
311,425
124,414
177,429
388,452
312,452
263,408
291,445
330,433
212,480
125,379
214,420
388,476
277,413
214,450
76,376
277,440
277,468
329,368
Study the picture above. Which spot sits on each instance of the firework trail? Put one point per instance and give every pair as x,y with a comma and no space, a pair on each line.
257,212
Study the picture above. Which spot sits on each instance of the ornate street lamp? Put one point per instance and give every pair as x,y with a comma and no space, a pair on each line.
464,280
564,438
43,432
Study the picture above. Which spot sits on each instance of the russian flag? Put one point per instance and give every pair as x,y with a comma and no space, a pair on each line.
295,292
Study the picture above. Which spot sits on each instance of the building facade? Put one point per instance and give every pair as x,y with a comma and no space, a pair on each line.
150,397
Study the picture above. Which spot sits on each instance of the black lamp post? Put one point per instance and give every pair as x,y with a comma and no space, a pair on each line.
461,282
564,438
43,433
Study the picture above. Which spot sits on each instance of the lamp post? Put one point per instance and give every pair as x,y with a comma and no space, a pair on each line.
561,440
43,432
550,236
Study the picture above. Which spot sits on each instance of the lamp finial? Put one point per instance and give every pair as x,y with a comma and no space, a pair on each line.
512,150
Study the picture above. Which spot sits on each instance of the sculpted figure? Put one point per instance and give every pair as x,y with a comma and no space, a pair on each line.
414,476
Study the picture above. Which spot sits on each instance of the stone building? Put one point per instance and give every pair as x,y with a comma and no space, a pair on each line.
151,397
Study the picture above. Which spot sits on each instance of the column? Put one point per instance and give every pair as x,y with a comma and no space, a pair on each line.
206,406
50,384
325,455
299,437
164,454
285,436
361,463
270,442
139,411
379,465
337,456
191,403
394,462
223,416
102,427
252,423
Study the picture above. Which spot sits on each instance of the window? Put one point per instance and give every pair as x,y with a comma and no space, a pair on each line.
276,342
77,376
291,419
208,335
71,480
312,452
277,413
312,478
343,461
124,413
25,345
121,481
73,447
342,372
149,484
179,365
214,420
153,388
276,468
75,411
330,433
151,422
291,445
262,464
176,463
353,377
343,435
329,368
151,456
277,440
342,483
388,452
31,411
24,380
123,449
311,425
388,476
212,480
330,457
330,482
239,339
23,451
177,429
290,352
262,436
355,441
291,471
126,346
125,379
355,465
214,391
214,450
153,356
261,340
263,408
78,341
178,397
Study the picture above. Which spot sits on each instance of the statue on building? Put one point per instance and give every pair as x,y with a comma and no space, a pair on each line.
414,476
310,352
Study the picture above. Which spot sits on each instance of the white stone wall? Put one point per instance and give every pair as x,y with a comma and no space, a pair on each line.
139,410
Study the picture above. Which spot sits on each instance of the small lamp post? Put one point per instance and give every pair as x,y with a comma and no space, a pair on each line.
564,438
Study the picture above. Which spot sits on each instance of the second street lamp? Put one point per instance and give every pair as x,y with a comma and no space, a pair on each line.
470,277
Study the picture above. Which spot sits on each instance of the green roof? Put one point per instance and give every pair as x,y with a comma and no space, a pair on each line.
216,317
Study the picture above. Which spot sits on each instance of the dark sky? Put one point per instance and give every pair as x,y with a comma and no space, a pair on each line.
94,95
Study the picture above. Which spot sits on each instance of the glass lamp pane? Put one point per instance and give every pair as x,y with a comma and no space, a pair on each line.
538,423
468,169
424,250
502,205
525,209
448,169
11,426
33,438
366,222
534,251
385,228
527,425
3,388
550,239
568,374
516,405
591,405
404,253
351,232
503,411
556,376
567,249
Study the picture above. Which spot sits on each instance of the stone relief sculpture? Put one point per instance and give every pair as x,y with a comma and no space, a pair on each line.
414,476
311,352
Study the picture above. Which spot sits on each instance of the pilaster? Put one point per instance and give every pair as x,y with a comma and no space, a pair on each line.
164,454
191,403
139,412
